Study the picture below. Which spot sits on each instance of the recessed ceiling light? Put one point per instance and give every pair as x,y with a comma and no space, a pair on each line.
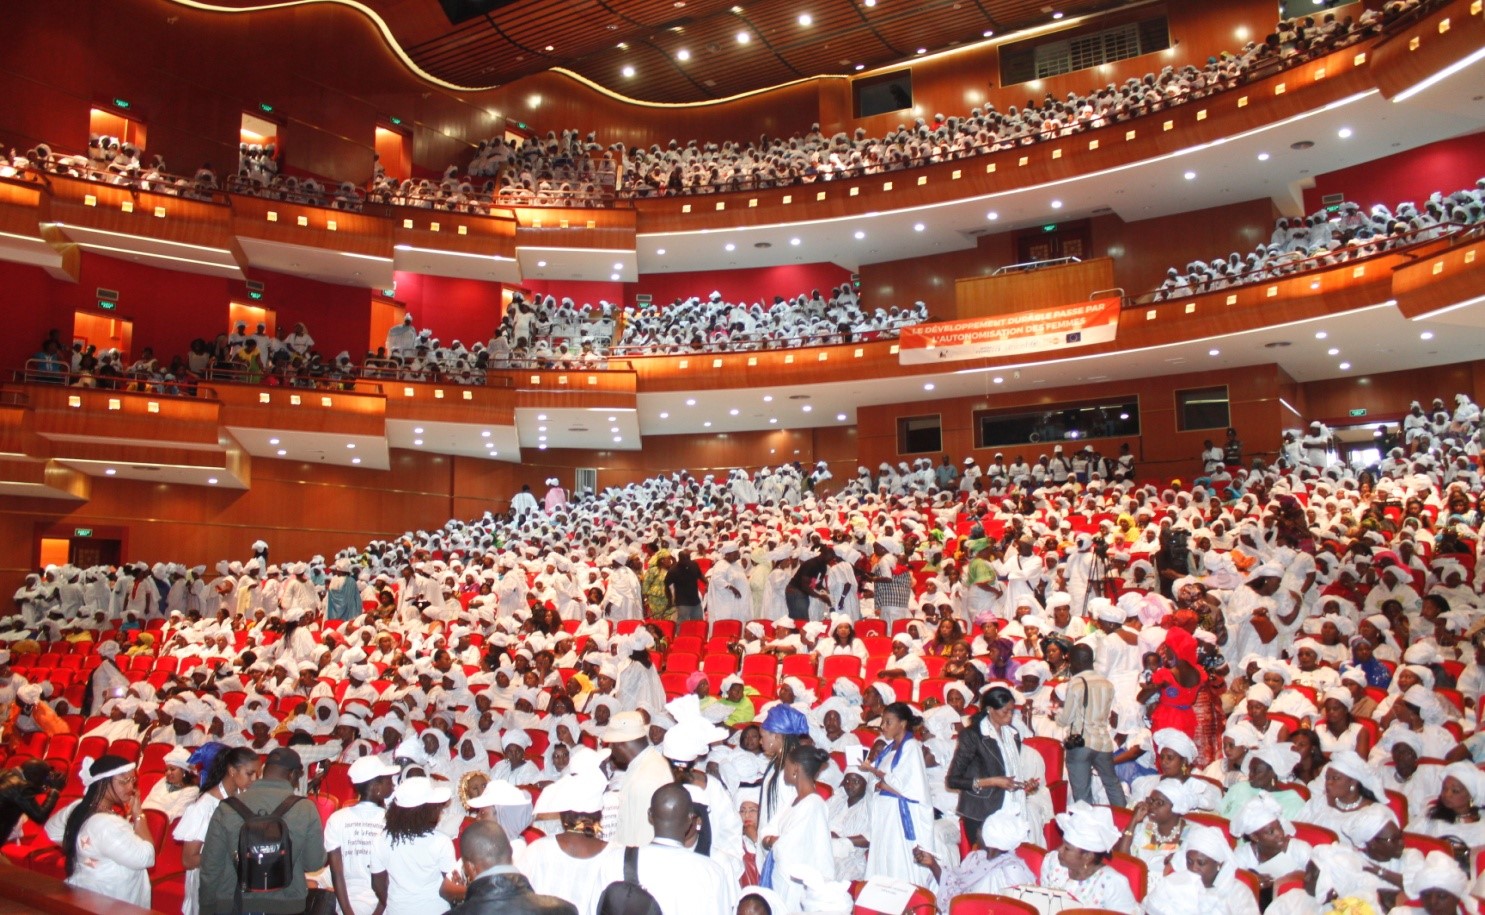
1189,176
273,441
1320,335
417,430
416,441
860,234
541,417
1332,352
660,251
794,242
1344,133
918,227
541,428
992,215
690,401
665,416
1426,335
1345,366
998,380
707,424
773,420
541,447
768,398
614,277
988,33
922,50
1057,204
110,472
282,452
861,66
489,444
806,19
1214,352
807,408
211,481
613,419
683,55
928,386
729,247
541,438
628,72
618,438
841,417
355,460
1057,15
550,48
541,263
613,428
1263,157
351,446
485,434
618,266
733,412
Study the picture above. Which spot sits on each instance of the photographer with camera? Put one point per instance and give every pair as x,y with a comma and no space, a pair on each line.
19,787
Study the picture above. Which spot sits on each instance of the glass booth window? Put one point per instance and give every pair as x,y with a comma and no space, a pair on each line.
1113,417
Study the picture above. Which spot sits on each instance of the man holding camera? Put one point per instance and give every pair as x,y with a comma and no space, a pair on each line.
1089,743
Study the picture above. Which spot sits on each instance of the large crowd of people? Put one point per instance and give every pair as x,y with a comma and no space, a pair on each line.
572,168
738,694
1326,238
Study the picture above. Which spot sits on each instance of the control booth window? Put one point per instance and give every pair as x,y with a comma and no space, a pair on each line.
1112,417
920,434
882,93
1203,408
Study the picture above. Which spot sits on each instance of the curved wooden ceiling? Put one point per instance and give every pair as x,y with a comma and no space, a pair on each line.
599,39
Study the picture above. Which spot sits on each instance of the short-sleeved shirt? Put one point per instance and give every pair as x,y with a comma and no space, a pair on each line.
415,869
353,832
684,578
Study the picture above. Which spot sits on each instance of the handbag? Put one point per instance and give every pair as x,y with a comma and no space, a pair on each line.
1075,741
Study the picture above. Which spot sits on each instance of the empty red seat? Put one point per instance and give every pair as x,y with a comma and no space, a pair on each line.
681,662
727,629
694,628
871,627
719,665
841,665
760,664
689,644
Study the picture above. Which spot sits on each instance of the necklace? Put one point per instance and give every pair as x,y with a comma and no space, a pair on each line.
1165,838
1345,807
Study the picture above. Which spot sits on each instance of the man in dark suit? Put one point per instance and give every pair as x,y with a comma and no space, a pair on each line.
495,887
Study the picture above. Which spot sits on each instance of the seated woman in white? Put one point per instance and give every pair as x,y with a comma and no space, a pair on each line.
105,852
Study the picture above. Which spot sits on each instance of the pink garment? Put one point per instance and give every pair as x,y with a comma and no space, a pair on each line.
556,498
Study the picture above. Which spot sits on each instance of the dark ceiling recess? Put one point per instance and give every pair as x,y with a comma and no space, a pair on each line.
460,10
633,47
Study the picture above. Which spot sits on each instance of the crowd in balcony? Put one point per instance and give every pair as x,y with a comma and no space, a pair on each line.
571,167
1083,689
1326,238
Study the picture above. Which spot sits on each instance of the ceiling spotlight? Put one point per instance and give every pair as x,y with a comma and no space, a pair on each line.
1320,335
211,481
541,428
1263,157
807,408
1189,176
618,266
541,438
744,38
860,234
707,424
418,430
988,33
660,251
618,438
922,50
614,277
868,3
1345,366
768,398
1057,204
840,417
1344,133
794,242
489,444
1426,335
351,446
918,227
628,72
541,447
613,428
416,441
998,380
485,434
992,215
928,386
1332,352
806,19
273,441
773,420
355,460
110,472
690,401
861,66
541,263
683,55
613,419
541,417
729,247
1214,352
665,416
282,452
1057,15
732,412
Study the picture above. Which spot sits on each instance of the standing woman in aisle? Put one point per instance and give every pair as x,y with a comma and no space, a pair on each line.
798,837
902,810
224,773
106,852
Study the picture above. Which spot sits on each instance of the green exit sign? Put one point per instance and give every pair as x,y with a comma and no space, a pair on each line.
265,107
1360,411
1051,228
106,305
396,122
255,296
121,103
82,532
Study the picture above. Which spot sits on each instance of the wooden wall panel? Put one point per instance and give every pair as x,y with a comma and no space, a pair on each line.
1386,395
1010,292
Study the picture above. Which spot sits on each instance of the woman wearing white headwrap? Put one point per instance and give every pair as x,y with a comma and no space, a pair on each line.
1238,740
566,864
1255,709
1419,710
1175,755
1205,853
1078,867
1440,886
1338,730
1271,851
1348,785
1156,830
993,867
1457,813
105,852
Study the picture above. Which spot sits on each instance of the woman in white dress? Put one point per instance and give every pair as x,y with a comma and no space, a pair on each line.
1206,856
902,810
226,772
1079,869
566,864
105,852
797,839
993,867
1270,849
1456,814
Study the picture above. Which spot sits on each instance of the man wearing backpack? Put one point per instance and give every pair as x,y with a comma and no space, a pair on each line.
283,840
675,879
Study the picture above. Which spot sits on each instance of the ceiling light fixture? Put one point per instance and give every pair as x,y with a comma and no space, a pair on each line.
992,215
690,401
211,481
998,380
1344,133
628,72
1263,157
744,38
1426,335
707,424
665,416
351,446
1214,352
918,227
807,408
768,398
806,19
683,55
282,452
355,460
273,441
733,412
860,234
794,242
928,386
840,417
729,247
922,50
418,430
1057,204
1320,335
1332,352
1345,366
660,251
1189,176
110,472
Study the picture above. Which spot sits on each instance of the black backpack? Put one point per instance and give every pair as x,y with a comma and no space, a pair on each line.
627,897
265,851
